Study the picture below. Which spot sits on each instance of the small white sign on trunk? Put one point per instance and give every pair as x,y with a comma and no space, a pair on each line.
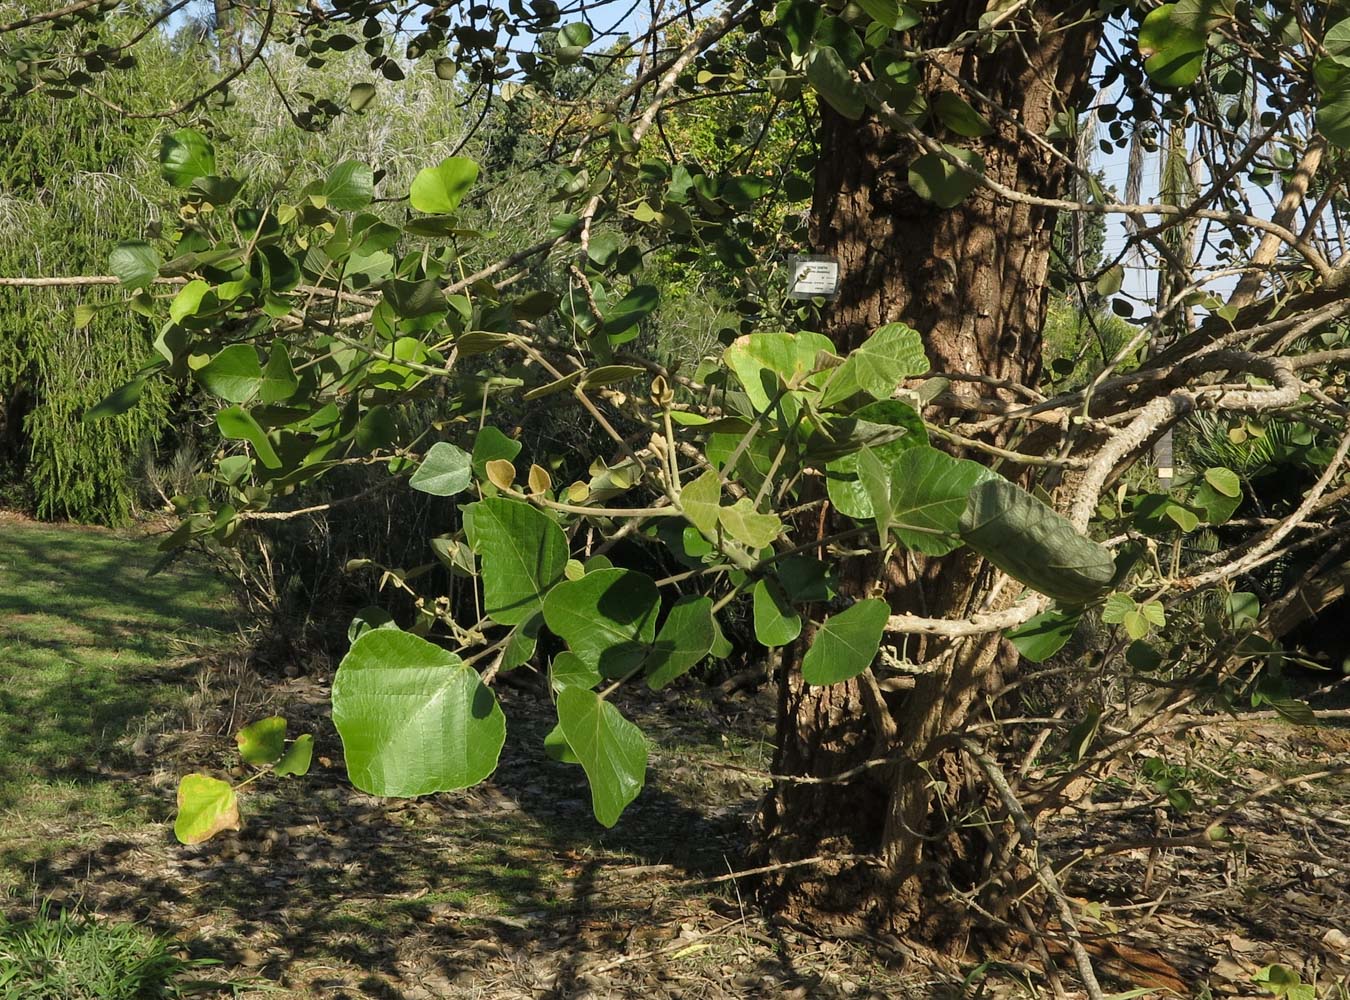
813,276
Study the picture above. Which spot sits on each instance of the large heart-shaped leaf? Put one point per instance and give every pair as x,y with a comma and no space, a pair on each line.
135,262
445,471
767,362
206,806
1033,544
185,156
742,522
686,637
523,552
611,749
929,489
607,618
701,500
234,374
876,367
413,717
350,186
438,190
847,644
888,427
829,75
278,376
1173,46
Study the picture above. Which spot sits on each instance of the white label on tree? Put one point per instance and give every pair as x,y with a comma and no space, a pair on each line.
813,277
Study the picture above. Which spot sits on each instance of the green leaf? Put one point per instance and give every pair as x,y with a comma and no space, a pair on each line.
764,363
805,579
278,376
686,637
776,624
135,262
521,643
607,618
413,717
885,417
959,116
637,305
556,748
611,749
876,481
1116,607
1033,544
262,742
610,375
1043,636
1136,624
1173,48
360,96
297,758
370,617
237,424
1111,281
445,471
827,72
350,186
438,190
188,300
233,375
1225,481
576,35
798,19
894,352
1333,112
701,500
929,491
570,670
891,13
748,527
846,644
206,806
489,446
523,553
1243,607
185,156
121,399
942,182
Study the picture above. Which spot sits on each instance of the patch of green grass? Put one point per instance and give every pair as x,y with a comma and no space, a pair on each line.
90,647
67,957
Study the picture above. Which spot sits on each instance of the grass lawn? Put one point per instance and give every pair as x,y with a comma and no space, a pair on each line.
91,652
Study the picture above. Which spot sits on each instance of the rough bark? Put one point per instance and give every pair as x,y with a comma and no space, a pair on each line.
973,281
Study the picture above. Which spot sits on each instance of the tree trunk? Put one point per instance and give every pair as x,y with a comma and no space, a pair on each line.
972,280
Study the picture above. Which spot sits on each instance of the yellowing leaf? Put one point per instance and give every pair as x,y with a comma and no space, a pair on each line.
206,806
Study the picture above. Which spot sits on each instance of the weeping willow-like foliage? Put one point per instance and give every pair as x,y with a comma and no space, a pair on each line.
76,177
73,180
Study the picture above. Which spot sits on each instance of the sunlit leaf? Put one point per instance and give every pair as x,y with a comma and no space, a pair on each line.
413,717
206,806
846,644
